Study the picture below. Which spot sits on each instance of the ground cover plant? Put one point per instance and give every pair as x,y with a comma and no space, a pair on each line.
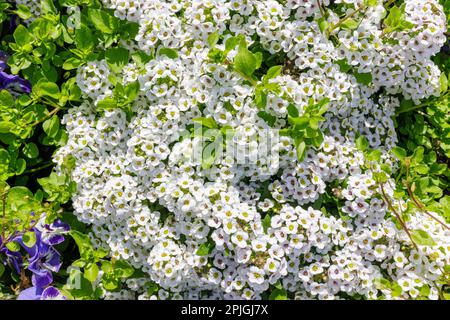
221,149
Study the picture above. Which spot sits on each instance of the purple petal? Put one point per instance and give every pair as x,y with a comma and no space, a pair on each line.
52,239
51,293
3,59
61,226
52,260
33,293
42,278
14,82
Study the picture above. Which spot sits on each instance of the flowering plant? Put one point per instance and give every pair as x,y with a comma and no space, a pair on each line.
39,257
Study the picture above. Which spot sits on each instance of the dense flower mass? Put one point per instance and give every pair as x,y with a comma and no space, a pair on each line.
246,223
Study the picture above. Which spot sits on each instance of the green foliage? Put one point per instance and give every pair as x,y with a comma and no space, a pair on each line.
304,129
205,248
84,275
395,21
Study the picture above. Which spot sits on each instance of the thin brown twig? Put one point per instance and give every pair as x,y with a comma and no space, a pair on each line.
386,199
423,208
322,10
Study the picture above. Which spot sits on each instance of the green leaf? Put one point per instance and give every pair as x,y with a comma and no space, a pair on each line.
2,269
140,58
123,269
170,53
396,290
278,294
152,288
399,153
245,62
269,118
371,3
78,285
106,104
18,197
48,6
57,187
46,89
13,246
350,24
422,238
6,99
91,272
343,65
103,21
6,126
260,97
23,11
300,122
213,38
374,155
20,166
266,222
362,143
22,36
417,155
231,43
444,82
84,38
72,63
110,282
30,150
300,147
259,57
29,239
208,157
51,126
132,90
363,78
395,21
292,111
83,243
323,24
273,72
205,249
206,122
117,58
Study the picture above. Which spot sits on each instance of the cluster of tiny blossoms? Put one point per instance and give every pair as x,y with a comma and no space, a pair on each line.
236,229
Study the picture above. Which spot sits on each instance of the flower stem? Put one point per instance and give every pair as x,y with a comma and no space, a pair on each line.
51,113
389,204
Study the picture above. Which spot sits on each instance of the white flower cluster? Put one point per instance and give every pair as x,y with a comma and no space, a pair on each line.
318,228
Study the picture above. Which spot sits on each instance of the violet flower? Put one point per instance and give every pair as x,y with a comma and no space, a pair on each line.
12,82
36,293
13,258
44,260
52,234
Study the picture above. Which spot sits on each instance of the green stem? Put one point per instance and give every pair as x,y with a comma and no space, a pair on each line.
4,216
45,165
322,11
399,218
46,116
342,20
421,105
